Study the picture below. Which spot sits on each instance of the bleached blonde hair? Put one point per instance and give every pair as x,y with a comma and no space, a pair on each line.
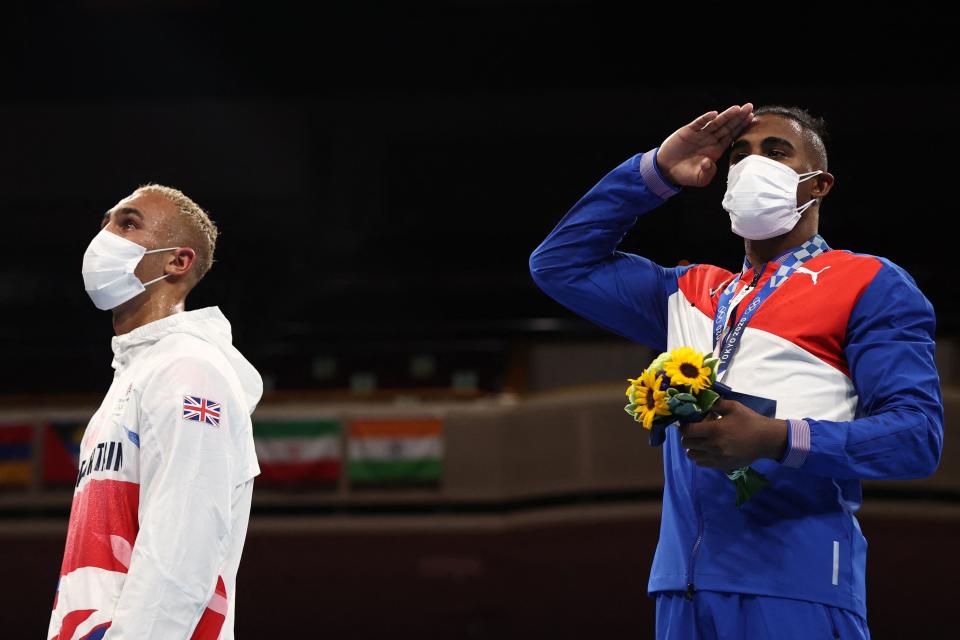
200,227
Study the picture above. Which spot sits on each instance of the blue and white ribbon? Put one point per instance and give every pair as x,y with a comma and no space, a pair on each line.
726,339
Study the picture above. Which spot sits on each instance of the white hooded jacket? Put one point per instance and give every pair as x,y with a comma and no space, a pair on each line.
162,499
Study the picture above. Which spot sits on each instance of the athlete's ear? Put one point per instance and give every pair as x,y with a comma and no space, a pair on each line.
180,262
822,184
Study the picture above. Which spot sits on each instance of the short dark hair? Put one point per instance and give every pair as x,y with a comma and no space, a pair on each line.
814,127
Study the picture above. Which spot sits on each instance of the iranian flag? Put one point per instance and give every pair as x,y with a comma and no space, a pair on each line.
395,450
304,451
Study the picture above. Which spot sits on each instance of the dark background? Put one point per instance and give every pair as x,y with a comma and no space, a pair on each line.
380,174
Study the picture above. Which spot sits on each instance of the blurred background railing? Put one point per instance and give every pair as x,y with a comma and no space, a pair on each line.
468,503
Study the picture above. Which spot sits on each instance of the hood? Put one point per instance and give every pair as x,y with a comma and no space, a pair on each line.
208,324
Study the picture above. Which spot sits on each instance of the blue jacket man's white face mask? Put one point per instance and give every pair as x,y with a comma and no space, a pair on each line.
108,266
761,197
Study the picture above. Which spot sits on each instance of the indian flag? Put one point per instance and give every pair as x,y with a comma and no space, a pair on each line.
395,450
295,451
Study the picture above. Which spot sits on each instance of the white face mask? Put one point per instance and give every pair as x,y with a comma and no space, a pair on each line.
761,197
108,265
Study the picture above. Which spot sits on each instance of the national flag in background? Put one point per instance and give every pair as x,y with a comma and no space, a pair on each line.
298,451
399,450
61,452
16,454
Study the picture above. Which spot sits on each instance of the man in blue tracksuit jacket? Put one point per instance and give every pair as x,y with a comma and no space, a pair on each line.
842,342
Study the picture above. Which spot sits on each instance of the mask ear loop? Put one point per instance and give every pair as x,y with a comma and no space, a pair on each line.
806,206
812,200
147,284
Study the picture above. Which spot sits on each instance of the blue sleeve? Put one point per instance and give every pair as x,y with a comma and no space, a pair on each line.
579,267
898,430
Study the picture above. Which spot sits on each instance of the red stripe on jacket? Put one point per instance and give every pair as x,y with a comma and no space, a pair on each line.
103,526
842,277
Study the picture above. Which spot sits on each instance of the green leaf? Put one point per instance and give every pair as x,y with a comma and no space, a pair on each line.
755,480
672,391
706,399
742,495
685,410
631,408
711,362
658,363
686,397
747,482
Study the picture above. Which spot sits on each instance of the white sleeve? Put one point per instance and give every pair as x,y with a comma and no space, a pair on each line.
188,470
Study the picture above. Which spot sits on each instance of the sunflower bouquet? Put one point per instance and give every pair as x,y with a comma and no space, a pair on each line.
681,386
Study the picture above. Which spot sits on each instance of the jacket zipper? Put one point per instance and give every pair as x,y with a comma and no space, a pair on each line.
696,545
696,501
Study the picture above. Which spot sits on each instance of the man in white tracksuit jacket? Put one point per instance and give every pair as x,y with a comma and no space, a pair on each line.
167,462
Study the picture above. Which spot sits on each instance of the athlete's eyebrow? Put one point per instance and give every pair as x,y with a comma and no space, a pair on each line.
769,141
121,211
129,211
773,141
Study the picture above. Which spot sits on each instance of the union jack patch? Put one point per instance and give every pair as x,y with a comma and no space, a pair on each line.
201,410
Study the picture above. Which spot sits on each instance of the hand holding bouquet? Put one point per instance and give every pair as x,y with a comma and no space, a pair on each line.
681,386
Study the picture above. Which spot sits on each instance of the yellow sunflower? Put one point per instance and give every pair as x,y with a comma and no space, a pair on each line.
686,368
650,401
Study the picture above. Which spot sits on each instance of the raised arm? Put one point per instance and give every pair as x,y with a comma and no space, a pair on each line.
578,264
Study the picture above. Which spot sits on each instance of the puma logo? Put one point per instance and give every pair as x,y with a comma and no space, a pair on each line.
813,274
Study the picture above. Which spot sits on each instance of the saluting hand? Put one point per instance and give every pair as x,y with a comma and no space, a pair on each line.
688,158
